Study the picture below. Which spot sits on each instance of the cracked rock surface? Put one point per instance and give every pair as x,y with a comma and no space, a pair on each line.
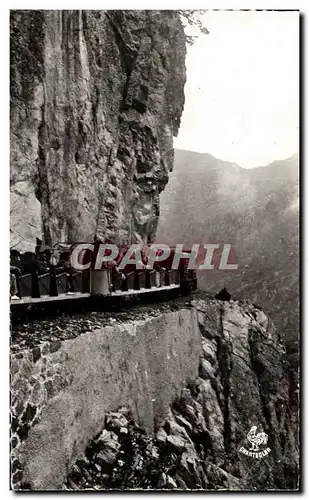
96,98
242,382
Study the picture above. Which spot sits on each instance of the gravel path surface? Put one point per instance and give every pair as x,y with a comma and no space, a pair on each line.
31,333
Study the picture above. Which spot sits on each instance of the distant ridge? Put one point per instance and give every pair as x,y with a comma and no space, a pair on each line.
256,211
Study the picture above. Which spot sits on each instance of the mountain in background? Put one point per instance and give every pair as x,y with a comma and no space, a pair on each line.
255,210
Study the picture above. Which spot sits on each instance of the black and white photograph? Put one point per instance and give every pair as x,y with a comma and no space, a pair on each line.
154,250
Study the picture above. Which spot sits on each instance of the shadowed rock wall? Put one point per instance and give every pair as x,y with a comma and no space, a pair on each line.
96,98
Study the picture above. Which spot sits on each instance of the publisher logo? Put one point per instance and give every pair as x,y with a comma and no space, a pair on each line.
258,442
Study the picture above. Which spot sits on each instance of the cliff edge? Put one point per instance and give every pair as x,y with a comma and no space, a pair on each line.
152,402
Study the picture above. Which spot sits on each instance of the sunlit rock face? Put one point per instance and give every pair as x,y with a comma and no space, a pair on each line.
96,98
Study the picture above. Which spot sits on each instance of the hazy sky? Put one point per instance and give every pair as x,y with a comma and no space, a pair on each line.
242,88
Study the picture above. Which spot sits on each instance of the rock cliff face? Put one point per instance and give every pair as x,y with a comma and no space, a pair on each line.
166,402
241,384
96,98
